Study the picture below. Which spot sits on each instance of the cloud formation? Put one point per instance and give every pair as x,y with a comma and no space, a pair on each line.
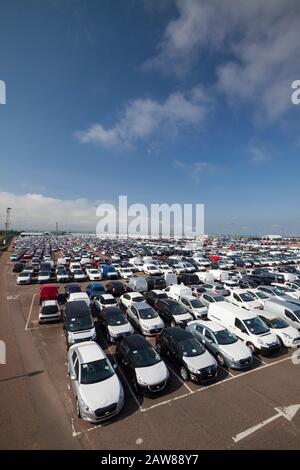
255,44
145,118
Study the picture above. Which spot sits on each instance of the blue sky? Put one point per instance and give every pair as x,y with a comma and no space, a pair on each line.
177,101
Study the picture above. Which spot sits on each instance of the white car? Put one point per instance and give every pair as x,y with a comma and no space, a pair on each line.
49,311
43,276
127,299
194,306
93,274
145,318
258,295
287,290
177,269
165,269
74,266
125,273
79,275
242,298
97,389
287,334
24,278
79,296
62,276
151,269
105,300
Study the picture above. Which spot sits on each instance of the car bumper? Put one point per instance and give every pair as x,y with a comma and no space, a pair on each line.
49,318
241,364
270,350
93,418
153,389
204,377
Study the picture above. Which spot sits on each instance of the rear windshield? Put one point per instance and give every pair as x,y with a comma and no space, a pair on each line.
49,309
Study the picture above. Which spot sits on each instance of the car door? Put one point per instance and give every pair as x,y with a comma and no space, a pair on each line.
187,305
292,319
161,310
236,299
174,352
134,315
240,329
210,341
126,300
75,372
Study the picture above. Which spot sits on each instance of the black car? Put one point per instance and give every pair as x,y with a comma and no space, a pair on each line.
18,267
142,364
115,288
246,283
188,279
172,312
156,282
187,353
152,296
114,324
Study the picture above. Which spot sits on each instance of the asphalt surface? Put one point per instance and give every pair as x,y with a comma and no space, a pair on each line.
38,411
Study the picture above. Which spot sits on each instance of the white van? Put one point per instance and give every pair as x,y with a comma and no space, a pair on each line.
138,284
205,276
170,279
287,310
178,290
246,325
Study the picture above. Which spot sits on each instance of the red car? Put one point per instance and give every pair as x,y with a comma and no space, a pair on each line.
48,292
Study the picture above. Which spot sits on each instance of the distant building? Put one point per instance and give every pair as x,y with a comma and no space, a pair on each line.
273,237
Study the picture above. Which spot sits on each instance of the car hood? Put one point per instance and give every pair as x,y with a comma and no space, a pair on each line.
237,350
153,322
154,374
200,362
291,331
254,304
102,394
119,329
183,317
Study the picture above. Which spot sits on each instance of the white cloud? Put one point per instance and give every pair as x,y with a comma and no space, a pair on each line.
196,169
254,42
145,118
38,212
258,154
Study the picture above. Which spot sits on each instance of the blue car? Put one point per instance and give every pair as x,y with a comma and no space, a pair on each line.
95,289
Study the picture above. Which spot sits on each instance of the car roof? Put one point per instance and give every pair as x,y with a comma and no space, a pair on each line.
90,351
107,296
213,326
136,341
178,333
111,310
268,315
45,303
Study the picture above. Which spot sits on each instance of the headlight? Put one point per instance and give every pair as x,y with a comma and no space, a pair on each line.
232,359
85,406
287,336
260,341
193,370
140,380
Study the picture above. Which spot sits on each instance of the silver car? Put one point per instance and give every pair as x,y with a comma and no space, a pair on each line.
97,389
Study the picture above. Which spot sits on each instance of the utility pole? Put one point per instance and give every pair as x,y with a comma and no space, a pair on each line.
7,223
56,228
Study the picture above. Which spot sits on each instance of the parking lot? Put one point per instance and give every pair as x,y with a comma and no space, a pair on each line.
39,409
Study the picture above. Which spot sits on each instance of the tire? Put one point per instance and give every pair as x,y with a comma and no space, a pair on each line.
184,374
78,409
220,359
251,347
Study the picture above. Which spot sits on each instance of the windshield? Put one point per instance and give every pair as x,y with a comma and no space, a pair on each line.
278,291
196,303
115,318
286,289
80,323
138,299
246,297
219,298
147,313
256,326
262,295
225,337
144,357
297,313
279,323
190,347
177,309
49,309
96,371
109,301
44,273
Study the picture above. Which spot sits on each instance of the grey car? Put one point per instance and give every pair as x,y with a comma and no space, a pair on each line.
228,350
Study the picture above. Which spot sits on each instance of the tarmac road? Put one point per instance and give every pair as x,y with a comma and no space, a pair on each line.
37,408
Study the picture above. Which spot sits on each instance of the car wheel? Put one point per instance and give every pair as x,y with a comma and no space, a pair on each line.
251,347
220,359
184,373
78,409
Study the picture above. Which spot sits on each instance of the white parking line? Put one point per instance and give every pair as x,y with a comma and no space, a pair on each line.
216,384
226,370
180,379
10,270
30,311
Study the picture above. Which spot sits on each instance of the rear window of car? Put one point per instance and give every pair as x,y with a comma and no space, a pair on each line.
49,309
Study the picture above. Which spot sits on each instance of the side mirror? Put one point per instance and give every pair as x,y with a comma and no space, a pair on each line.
73,377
